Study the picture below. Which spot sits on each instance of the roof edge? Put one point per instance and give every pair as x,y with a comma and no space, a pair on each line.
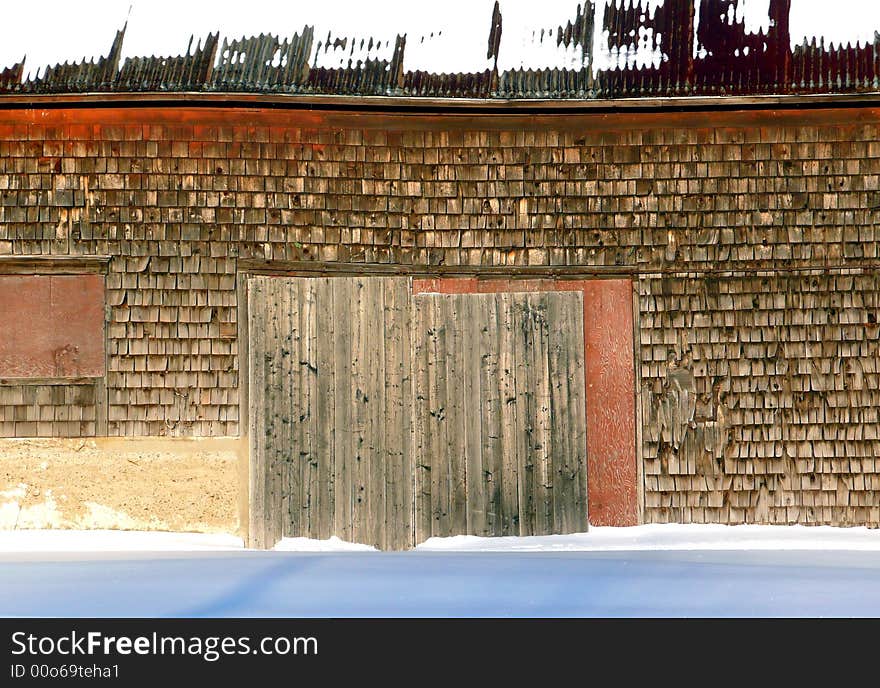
434,104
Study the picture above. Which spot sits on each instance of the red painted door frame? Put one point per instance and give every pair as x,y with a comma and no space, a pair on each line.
612,473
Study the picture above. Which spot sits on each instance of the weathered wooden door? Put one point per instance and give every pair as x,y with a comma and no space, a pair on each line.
330,418
500,429
384,418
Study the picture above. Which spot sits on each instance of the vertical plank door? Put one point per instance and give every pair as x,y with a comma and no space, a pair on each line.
500,415
330,421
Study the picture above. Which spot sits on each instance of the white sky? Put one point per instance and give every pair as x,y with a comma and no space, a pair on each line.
52,31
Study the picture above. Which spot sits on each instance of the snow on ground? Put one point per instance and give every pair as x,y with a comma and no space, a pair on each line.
645,571
666,537
113,541
334,544
673,537
248,583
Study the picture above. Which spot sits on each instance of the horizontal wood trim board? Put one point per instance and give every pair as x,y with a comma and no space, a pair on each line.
602,122
49,381
54,265
324,269
439,104
305,269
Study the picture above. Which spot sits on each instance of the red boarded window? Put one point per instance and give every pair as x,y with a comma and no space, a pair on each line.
51,326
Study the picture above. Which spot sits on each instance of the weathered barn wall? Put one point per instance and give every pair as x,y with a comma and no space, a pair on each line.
761,398
48,410
179,197
52,347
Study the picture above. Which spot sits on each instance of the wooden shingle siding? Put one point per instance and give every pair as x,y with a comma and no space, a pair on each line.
759,399
49,410
700,209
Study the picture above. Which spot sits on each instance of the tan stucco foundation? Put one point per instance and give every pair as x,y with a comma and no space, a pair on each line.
175,484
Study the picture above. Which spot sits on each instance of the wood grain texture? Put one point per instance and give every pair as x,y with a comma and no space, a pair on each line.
491,402
607,324
323,415
490,434
613,473
569,450
342,356
423,344
441,412
328,408
258,472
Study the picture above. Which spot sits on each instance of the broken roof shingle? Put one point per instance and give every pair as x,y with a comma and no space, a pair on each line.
672,50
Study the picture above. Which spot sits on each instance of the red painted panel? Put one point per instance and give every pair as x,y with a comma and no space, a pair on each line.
78,314
610,384
25,326
611,447
51,326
